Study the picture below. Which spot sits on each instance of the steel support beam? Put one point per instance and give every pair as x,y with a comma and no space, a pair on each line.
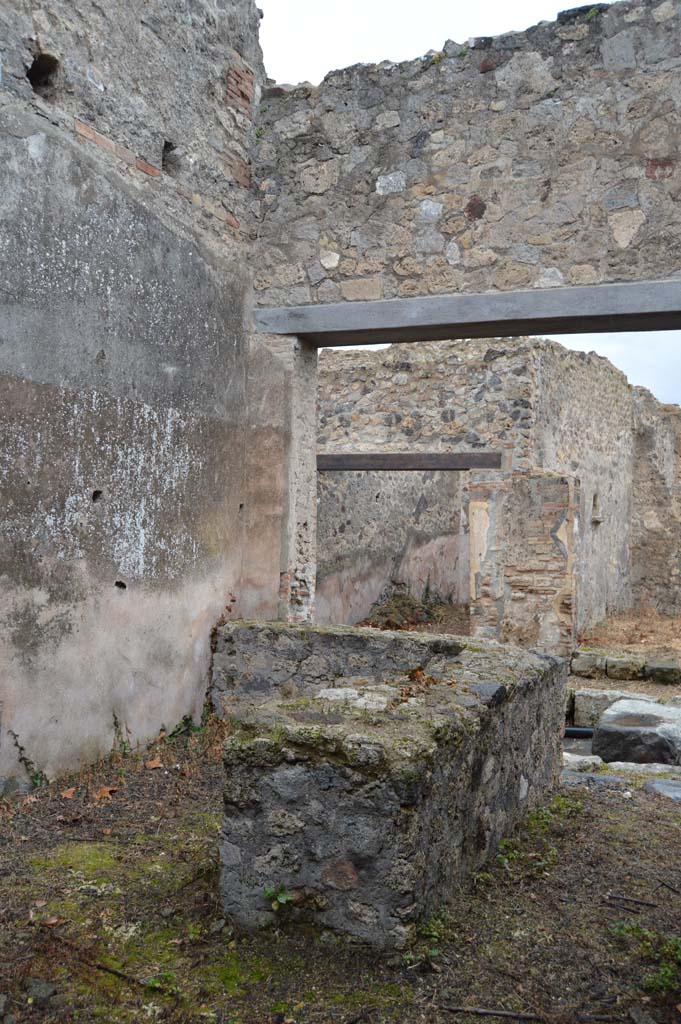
635,306
400,461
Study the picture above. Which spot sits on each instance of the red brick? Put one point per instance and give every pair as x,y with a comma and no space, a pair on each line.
85,130
146,168
658,169
94,136
126,155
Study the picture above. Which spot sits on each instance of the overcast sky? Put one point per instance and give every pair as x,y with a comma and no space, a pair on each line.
304,39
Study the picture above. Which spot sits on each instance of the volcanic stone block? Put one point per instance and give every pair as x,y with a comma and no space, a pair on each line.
667,672
590,704
625,668
588,665
639,731
359,802
665,787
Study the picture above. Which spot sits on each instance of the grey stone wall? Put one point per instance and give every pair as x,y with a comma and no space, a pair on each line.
527,160
547,410
145,431
584,427
656,499
367,773
440,396
380,531
378,528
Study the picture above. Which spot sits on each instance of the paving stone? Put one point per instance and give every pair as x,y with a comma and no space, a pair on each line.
588,665
590,704
625,668
595,780
665,787
666,672
581,762
645,769
639,731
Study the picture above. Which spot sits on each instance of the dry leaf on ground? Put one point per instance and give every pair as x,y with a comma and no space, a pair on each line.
104,792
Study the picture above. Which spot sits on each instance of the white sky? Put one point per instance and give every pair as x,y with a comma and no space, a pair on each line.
304,39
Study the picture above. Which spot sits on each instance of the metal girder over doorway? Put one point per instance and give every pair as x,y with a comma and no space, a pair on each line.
400,461
635,306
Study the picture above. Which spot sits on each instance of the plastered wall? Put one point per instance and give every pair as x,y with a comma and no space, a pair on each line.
144,430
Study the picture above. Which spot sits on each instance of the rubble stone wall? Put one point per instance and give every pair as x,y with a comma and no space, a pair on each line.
363,794
379,528
522,554
527,160
584,427
552,413
656,499
382,531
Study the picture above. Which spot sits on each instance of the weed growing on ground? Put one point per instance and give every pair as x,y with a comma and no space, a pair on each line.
663,950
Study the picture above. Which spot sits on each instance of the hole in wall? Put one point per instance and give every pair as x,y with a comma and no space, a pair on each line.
241,506
97,496
596,516
120,585
43,74
171,158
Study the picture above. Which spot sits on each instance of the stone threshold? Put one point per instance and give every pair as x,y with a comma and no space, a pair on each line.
600,664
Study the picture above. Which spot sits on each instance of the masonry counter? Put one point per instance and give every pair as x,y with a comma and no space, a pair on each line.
368,772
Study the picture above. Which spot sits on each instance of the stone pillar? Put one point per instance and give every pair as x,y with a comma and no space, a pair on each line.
522,537
299,523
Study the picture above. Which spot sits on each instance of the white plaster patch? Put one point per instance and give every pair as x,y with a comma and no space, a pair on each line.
625,225
664,12
94,78
369,700
389,119
36,146
329,260
550,277
391,184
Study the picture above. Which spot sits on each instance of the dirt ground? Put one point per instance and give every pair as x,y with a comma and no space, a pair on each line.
402,611
644,632
109,911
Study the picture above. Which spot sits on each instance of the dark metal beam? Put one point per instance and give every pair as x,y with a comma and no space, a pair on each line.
636,306
399,461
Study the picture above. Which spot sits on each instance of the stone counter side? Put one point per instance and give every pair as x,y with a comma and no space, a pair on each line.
368,772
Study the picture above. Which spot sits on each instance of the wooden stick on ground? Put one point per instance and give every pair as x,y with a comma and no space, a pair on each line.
631,899
476,1011
82,955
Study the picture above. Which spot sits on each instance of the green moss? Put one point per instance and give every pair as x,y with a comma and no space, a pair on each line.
94,860
232,975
